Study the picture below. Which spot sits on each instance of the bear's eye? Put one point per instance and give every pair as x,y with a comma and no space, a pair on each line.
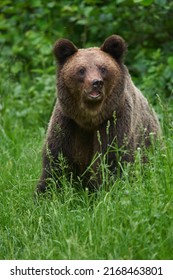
103,70
82,71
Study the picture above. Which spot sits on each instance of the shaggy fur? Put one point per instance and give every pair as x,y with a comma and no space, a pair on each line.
94,91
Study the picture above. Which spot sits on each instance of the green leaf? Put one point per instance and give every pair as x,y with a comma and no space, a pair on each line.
170,61
144,2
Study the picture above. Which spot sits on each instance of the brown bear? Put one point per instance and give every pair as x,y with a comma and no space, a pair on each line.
98,107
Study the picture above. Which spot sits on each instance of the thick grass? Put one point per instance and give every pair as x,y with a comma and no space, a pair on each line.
128,218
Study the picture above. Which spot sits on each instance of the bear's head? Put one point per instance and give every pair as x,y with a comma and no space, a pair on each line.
90,81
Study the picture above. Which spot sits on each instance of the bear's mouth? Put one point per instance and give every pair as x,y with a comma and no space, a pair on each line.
94,95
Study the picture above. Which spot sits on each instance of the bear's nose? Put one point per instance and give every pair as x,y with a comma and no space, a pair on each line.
97,84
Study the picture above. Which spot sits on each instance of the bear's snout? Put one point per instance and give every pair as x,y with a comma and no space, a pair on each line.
97,84
95,91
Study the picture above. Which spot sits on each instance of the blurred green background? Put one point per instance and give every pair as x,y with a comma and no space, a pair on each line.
28,30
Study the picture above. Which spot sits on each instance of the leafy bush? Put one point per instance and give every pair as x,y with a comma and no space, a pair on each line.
29,29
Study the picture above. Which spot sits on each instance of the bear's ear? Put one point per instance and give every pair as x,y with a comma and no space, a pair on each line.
115,46
63,49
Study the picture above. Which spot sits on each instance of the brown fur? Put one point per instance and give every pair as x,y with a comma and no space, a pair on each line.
94,88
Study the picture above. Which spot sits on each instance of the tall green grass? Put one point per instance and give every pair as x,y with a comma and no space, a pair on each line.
128,218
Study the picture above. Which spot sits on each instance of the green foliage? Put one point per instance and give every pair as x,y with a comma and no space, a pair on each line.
156,78
29,29
129,218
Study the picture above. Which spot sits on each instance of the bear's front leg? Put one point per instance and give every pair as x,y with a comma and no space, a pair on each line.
58,145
